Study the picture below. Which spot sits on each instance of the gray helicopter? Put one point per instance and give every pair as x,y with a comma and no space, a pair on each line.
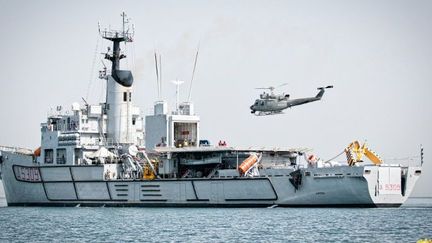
272,104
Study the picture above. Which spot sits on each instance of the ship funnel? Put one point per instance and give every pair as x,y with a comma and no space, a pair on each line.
123,77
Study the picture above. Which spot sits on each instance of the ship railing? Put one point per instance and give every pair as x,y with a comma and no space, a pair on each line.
404,162
70,127
101,142
110,34
16,150
110,142
104,142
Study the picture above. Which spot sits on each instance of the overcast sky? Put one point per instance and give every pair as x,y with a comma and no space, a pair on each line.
377,54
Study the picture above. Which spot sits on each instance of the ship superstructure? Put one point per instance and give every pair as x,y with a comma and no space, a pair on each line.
70,138
98,155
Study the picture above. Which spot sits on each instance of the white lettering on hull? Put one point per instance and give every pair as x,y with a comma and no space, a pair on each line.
30,174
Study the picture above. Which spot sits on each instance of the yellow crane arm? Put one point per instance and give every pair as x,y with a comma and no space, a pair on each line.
355,152
372,156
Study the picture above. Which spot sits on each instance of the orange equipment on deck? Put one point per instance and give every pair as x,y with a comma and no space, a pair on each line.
248,163
37,152
149,174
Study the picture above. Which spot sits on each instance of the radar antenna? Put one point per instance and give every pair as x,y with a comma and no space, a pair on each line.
158,67
157,76
193,74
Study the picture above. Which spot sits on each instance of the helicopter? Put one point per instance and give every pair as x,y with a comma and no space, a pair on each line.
272,104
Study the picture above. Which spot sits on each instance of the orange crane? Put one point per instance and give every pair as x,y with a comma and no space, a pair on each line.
355,152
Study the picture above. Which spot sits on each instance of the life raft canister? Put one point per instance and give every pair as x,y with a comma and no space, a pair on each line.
312,158
37,152
247,163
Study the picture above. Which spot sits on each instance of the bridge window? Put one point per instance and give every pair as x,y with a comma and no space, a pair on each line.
48,159
77,153
61,156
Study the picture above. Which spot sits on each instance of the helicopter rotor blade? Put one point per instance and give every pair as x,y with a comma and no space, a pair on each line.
273,87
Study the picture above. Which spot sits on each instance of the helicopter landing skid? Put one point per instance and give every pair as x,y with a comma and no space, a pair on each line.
267,113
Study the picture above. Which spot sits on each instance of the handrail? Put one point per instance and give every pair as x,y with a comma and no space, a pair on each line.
16,150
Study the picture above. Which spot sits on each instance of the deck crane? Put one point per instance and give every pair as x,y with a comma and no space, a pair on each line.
355,152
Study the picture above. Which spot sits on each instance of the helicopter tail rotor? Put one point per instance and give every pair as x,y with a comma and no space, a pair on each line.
326,87
321,91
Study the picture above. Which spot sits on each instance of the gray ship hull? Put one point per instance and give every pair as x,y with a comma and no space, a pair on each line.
2,195
28,184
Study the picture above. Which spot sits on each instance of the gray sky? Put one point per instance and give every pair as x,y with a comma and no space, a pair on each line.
377,54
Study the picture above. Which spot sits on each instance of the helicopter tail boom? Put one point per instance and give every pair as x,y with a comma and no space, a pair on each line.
322,90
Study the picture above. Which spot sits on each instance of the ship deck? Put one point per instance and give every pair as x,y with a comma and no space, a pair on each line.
229,149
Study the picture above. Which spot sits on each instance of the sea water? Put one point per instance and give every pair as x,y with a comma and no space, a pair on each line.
81,224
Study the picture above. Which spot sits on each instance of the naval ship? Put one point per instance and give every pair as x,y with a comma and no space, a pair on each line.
104,155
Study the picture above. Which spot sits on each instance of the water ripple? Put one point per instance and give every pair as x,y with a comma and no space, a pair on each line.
24,224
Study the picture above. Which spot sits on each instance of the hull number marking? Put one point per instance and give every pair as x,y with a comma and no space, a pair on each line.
27,174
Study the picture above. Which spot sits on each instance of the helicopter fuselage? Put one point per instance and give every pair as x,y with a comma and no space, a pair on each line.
279,105
269,105
272,104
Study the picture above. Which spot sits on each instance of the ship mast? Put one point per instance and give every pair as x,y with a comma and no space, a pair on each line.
119,87
123,77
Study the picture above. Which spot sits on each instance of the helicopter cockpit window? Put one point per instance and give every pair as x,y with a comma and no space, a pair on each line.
262,102
256,102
